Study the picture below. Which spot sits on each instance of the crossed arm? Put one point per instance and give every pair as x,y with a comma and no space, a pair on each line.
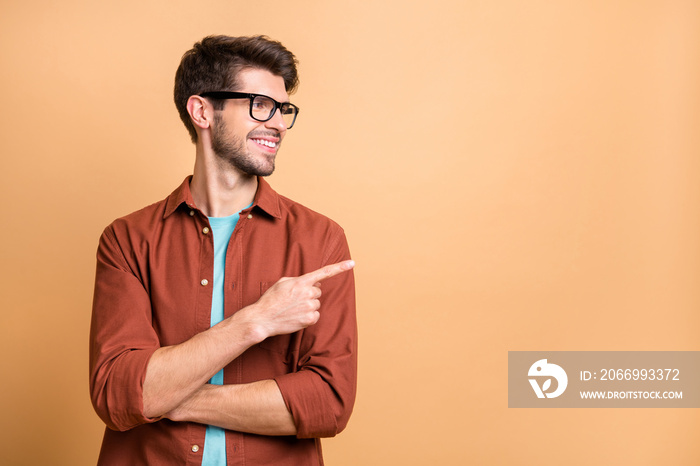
175,382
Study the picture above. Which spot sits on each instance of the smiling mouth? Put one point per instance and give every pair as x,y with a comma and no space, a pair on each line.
266,143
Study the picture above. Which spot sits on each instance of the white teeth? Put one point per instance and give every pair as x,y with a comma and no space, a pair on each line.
265,143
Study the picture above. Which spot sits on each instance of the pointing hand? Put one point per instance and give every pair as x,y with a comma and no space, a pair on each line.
292,304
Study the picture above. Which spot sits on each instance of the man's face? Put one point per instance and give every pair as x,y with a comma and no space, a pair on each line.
242,142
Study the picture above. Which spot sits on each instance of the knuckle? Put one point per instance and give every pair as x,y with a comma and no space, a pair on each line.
311,318
310,305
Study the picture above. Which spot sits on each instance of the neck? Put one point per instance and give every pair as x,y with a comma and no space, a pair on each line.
220,190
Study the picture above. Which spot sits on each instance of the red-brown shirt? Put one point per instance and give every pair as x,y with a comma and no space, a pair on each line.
153,288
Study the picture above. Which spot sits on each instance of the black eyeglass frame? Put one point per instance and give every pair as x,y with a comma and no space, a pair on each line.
223,95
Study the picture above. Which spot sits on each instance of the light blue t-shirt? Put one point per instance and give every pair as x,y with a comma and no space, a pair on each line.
222,228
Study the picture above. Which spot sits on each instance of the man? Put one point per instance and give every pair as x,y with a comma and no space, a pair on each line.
202,351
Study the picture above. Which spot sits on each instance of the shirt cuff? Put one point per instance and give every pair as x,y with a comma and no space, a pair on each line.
307,398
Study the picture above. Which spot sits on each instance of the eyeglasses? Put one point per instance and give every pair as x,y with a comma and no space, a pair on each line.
262,107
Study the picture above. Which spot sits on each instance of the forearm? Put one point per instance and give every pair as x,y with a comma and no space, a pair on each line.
175,373
256,408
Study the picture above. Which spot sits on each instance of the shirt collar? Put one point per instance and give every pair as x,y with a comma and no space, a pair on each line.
265,198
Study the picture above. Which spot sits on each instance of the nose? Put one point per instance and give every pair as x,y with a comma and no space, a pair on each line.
277,122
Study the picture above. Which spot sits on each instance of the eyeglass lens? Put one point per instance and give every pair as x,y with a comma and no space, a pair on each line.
263,108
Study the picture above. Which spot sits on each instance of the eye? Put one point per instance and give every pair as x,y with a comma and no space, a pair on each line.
262,103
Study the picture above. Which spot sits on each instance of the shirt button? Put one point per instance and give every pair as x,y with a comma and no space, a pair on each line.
195,448
205,230
250,215
204,282
191,213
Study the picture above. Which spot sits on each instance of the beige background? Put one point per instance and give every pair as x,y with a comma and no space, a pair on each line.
512,175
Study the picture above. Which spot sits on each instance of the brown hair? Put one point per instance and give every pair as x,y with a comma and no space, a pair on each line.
214,63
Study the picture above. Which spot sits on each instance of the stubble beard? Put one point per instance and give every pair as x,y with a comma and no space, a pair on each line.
231,150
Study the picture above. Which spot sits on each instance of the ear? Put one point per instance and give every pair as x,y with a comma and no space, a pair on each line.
201,112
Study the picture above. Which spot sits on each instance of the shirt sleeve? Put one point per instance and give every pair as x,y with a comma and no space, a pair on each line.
122,338
321,394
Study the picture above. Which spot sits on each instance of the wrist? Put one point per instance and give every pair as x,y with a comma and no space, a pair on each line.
251,331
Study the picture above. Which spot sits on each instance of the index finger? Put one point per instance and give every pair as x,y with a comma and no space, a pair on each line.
328,271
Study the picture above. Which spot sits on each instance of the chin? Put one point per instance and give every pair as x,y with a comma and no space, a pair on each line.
258,171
